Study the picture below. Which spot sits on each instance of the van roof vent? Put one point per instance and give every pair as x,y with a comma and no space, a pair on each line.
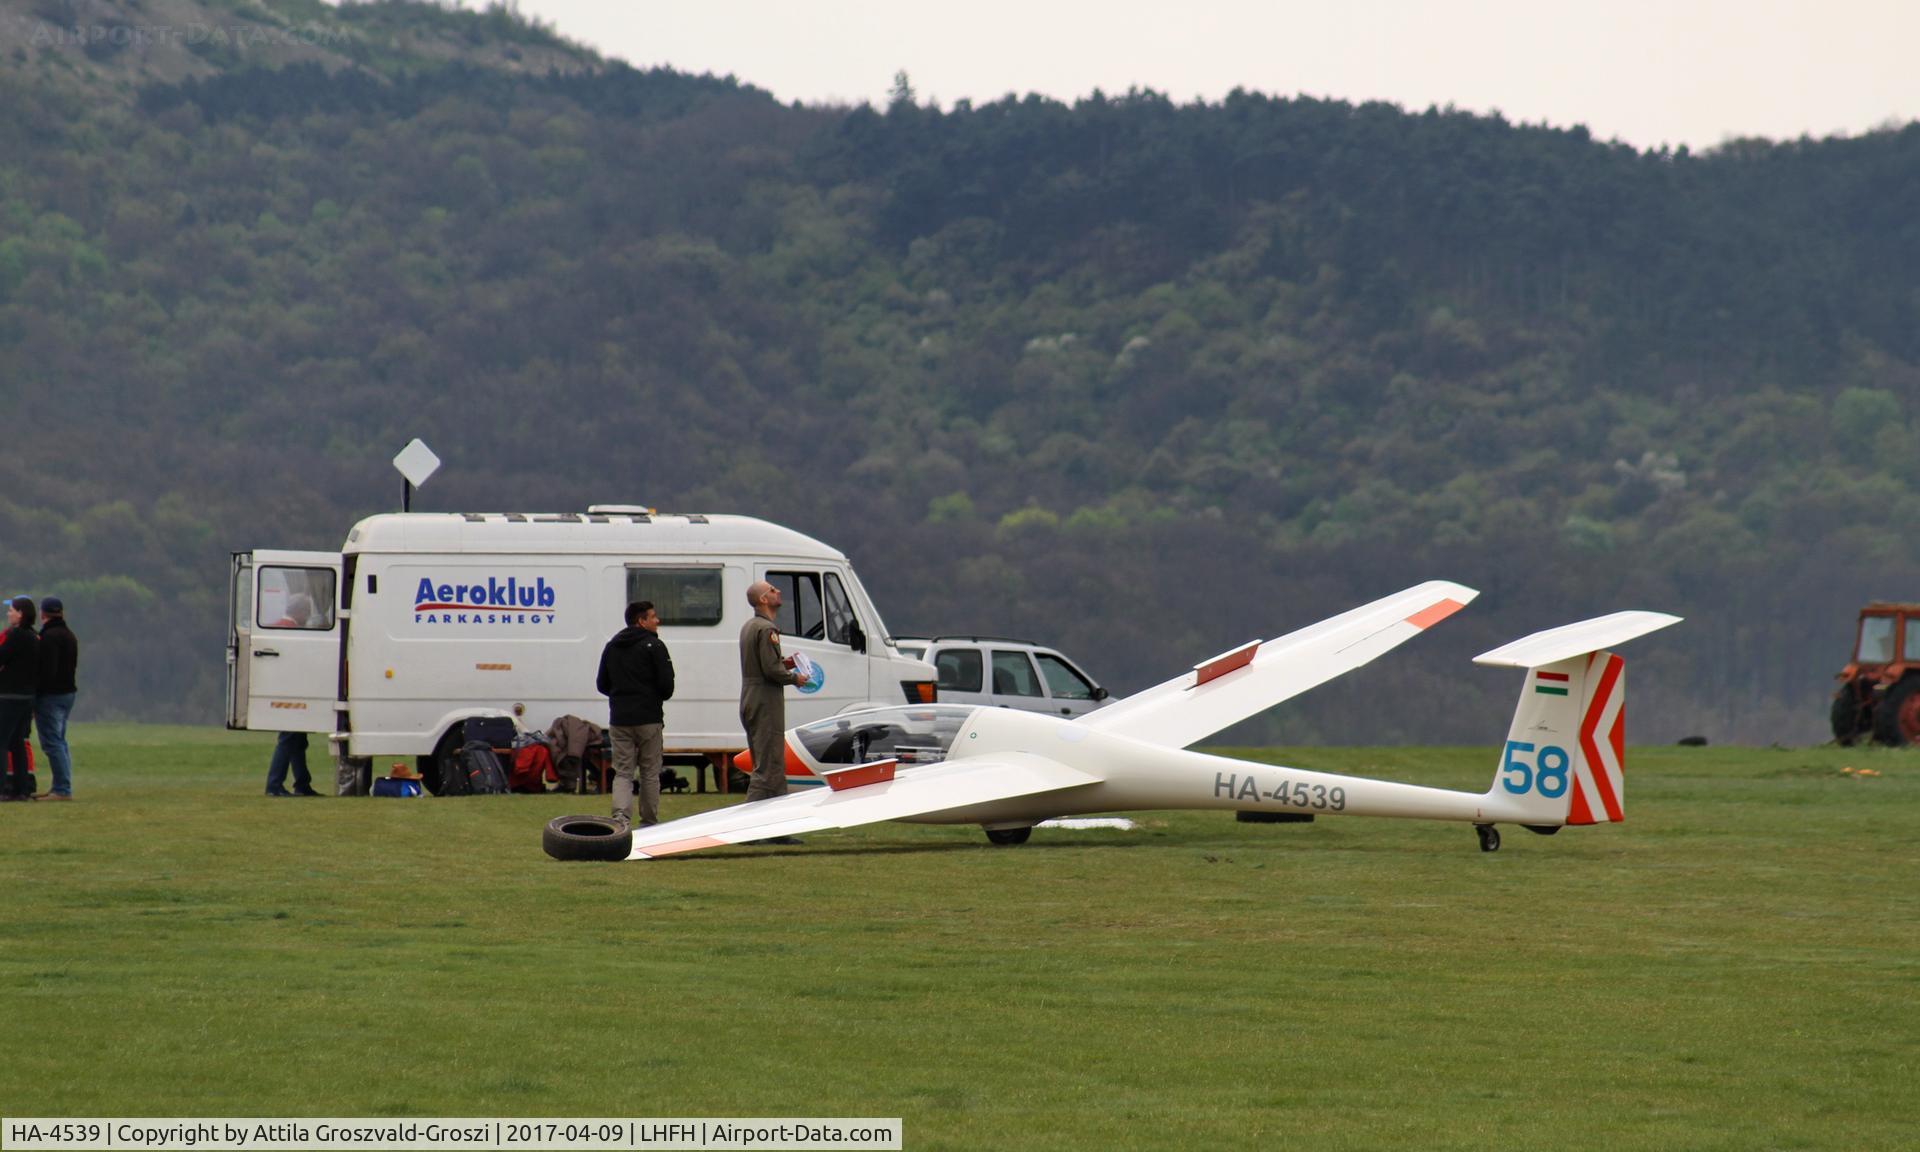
620,510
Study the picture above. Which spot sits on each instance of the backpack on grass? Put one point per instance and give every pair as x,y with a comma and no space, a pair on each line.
477,772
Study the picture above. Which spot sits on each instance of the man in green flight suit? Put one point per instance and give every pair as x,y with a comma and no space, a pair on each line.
764,676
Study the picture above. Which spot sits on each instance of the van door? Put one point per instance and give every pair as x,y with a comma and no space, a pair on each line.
284,641
817,618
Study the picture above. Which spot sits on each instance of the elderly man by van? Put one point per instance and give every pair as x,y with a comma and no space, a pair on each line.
764,675
636,677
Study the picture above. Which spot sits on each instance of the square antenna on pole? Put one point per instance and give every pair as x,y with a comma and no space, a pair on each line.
416,462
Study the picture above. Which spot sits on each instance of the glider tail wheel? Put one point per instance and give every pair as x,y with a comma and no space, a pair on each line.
1489,837
1009,835
586,838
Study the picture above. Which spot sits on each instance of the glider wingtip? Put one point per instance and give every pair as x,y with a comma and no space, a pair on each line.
1435,612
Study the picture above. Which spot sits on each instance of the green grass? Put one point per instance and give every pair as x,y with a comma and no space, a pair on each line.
1738,967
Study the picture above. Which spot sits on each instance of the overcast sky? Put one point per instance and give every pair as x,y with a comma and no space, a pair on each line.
1676,71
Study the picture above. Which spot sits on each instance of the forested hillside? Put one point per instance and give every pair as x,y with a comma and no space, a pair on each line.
1137,378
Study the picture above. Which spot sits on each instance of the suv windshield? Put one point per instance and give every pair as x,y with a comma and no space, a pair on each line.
913,735
1063,681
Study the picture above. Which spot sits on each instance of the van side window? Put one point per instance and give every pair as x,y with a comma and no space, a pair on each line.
1062,680
959,669
799,613
839,612
685,597
296,599
1013,675
243,598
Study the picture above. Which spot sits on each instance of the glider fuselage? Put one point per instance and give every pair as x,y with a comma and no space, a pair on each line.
1134,776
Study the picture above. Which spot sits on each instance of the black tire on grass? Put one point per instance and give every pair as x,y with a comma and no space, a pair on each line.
586,838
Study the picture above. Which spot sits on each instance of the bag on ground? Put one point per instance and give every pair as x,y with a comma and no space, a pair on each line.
493,731
532,763
393,786
481,768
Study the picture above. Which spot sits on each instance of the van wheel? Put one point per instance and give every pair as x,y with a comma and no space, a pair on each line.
586,838
1009,835
444,754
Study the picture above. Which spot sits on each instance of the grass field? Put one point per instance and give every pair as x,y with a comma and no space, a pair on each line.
1737,967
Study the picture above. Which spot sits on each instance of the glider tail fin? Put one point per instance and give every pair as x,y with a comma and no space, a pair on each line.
1565,756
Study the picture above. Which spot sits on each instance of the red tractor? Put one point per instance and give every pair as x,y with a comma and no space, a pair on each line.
1879,693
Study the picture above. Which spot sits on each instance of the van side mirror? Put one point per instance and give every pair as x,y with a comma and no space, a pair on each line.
856,638
1100,693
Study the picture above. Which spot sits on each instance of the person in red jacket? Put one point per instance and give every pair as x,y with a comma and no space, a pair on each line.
19,673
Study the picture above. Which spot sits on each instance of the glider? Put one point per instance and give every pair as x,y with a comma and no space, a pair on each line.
1008,770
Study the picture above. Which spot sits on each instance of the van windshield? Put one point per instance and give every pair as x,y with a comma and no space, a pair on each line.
912,734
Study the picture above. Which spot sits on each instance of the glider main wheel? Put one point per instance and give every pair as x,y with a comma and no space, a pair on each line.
1897,720
1489,837
1845,716
586,838
1009,835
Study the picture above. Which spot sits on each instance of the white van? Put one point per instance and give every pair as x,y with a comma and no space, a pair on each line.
424,620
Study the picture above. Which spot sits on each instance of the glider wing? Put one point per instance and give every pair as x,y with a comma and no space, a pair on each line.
1254,677
913,792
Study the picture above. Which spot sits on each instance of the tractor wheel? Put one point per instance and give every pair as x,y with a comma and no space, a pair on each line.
1897,720
1846,716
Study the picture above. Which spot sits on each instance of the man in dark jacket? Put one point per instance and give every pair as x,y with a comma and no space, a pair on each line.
636,677
54,693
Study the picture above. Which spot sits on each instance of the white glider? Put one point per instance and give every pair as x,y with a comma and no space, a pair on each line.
1008,770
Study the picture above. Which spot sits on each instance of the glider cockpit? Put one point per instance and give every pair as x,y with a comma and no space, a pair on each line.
911,734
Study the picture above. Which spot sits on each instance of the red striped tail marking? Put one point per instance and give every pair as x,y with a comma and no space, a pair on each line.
1599,783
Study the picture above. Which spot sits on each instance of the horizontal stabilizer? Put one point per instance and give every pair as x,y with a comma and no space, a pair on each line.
1570,640
1254,677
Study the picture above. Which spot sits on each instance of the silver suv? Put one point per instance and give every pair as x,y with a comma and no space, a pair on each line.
1005,673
